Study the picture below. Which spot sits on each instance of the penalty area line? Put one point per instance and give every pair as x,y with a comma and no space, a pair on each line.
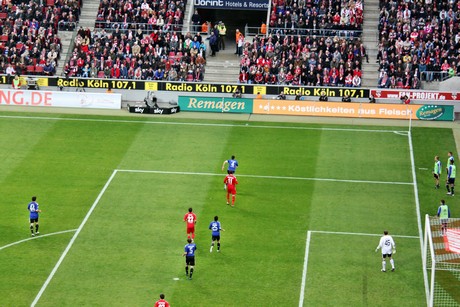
267,177
305,267
36,238
361,234
307,252
69,246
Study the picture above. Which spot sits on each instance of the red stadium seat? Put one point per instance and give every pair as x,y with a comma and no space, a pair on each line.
3,38
30,69
101,74
39,70
3,15
49,2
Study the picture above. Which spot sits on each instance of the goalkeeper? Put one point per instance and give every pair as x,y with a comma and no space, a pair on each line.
388,246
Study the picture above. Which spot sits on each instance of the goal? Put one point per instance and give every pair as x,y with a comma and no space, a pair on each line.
441,260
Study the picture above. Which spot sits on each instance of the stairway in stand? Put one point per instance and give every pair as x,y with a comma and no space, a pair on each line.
87,20
370,39
224,67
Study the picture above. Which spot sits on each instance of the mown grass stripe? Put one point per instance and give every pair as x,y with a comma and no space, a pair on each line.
267,177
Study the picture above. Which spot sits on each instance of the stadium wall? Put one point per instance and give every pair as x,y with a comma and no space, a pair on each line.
134,91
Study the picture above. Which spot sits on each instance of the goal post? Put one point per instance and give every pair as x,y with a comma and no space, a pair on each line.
441,260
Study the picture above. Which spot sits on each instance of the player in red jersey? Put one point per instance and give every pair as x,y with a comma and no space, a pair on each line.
161,302
231,182
190,219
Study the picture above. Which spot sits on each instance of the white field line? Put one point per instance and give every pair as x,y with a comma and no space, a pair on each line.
417,211
307,251
265,177
64,254
200,124
362,234
37,237
305,267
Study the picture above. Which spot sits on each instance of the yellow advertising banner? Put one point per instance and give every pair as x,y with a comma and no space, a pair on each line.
151,86
259,89
335,109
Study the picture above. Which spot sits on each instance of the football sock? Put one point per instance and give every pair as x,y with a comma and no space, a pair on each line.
36,228
218,246
452,189
447,187
233,199
191,272
392,263
384,264
193,235
31,229
186,270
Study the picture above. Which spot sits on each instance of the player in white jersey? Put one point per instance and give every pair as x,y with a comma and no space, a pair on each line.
388,246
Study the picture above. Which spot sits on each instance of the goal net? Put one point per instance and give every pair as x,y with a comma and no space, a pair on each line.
441,260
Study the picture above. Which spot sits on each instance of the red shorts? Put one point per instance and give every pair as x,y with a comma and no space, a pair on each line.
190,229
231,189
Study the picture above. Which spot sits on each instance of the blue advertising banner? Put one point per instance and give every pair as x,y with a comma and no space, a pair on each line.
261,5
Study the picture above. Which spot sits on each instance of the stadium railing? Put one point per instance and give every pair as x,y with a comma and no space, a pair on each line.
145,27
253,31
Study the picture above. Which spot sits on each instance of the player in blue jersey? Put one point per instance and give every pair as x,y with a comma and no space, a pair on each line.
34,210
189,253
232,165
215,228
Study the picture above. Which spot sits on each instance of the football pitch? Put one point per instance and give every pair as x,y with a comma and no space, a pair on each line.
312,203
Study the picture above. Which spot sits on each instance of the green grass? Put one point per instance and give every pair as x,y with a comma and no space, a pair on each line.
130,248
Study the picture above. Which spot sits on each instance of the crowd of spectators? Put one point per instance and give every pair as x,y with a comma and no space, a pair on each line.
309,42
29,42
130,54
325,17
165,15
418,41
303,60
141,40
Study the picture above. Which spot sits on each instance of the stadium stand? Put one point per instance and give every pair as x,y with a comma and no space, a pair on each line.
418,41
304,16
138,40
315,43
29,38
